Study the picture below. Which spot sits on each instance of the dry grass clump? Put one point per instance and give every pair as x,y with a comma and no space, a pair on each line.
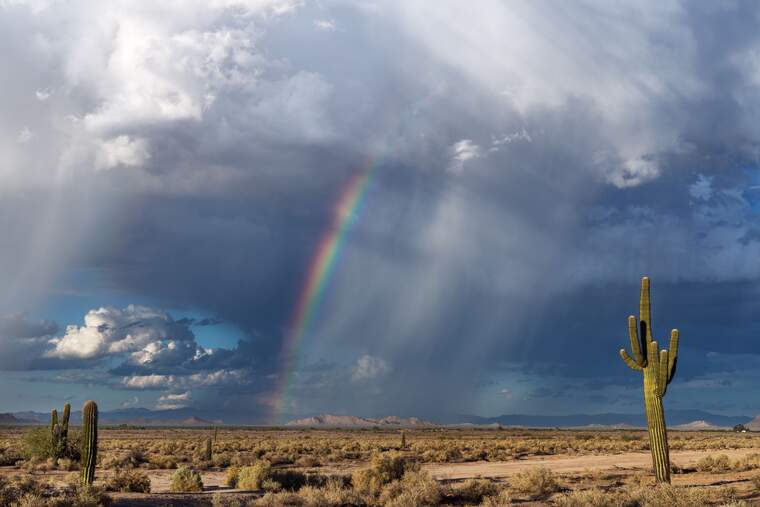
717,464
501,499
185,480
231,477
538,482
255,476
29,492
474,490
722,463
383,469
129,481
595,498
415,488
662,495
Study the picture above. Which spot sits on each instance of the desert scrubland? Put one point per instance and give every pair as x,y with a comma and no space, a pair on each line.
368,467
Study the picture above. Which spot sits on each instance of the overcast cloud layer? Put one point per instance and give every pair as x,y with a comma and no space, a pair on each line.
532,161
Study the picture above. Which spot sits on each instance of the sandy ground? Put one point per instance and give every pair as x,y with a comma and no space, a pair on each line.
570,464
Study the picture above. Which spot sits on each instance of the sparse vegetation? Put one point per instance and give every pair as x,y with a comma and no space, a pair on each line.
186,480
536,482
129,481
302,467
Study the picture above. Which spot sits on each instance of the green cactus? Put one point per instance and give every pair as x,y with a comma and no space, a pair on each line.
89,441
64,438
658,370
55,434
207,455
53,421
403,439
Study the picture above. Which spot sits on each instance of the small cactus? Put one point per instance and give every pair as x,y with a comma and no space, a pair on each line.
65,421
64,438
53,424
207,455
658,368
403,439
89,441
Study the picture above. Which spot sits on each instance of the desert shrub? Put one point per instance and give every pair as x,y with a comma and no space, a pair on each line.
162,462
718,464
28,492
185,480
129,459
333,493
9,457
128,481
227,501
536,482
749,462
254,476
231,477
88,496
666,495
415,488
291,480
501,499
595,498
383,469
307,462
473,490
37,443
756,481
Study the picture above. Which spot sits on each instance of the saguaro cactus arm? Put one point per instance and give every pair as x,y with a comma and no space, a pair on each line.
673,359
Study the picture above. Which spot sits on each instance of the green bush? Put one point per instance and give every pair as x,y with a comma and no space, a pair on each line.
253,477
37,442
231,476
185,480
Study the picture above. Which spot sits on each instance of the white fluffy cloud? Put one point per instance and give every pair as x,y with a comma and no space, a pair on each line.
206,379
108,330
369,367
173,401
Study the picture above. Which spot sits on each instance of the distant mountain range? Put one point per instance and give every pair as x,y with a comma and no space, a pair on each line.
673,417
676,419
131,417
349,421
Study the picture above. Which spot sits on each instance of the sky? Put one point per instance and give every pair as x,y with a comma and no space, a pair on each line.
266,209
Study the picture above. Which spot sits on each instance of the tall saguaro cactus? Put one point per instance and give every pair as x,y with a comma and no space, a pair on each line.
658,368
65,426
89,441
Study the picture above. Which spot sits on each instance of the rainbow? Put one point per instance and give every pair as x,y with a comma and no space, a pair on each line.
321,268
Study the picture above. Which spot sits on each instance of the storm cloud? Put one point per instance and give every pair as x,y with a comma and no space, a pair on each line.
530,162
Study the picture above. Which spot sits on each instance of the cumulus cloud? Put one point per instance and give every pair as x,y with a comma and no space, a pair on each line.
326,25
121,150
108,330
173,401
208,379
369,367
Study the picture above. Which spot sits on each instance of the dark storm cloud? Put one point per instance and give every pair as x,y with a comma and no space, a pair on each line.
522,185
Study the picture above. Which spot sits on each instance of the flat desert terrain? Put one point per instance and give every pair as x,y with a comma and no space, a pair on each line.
436,466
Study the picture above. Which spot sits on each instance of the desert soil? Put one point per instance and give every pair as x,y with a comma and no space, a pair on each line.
569,466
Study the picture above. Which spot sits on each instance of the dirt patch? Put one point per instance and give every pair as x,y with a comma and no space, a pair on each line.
569,464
